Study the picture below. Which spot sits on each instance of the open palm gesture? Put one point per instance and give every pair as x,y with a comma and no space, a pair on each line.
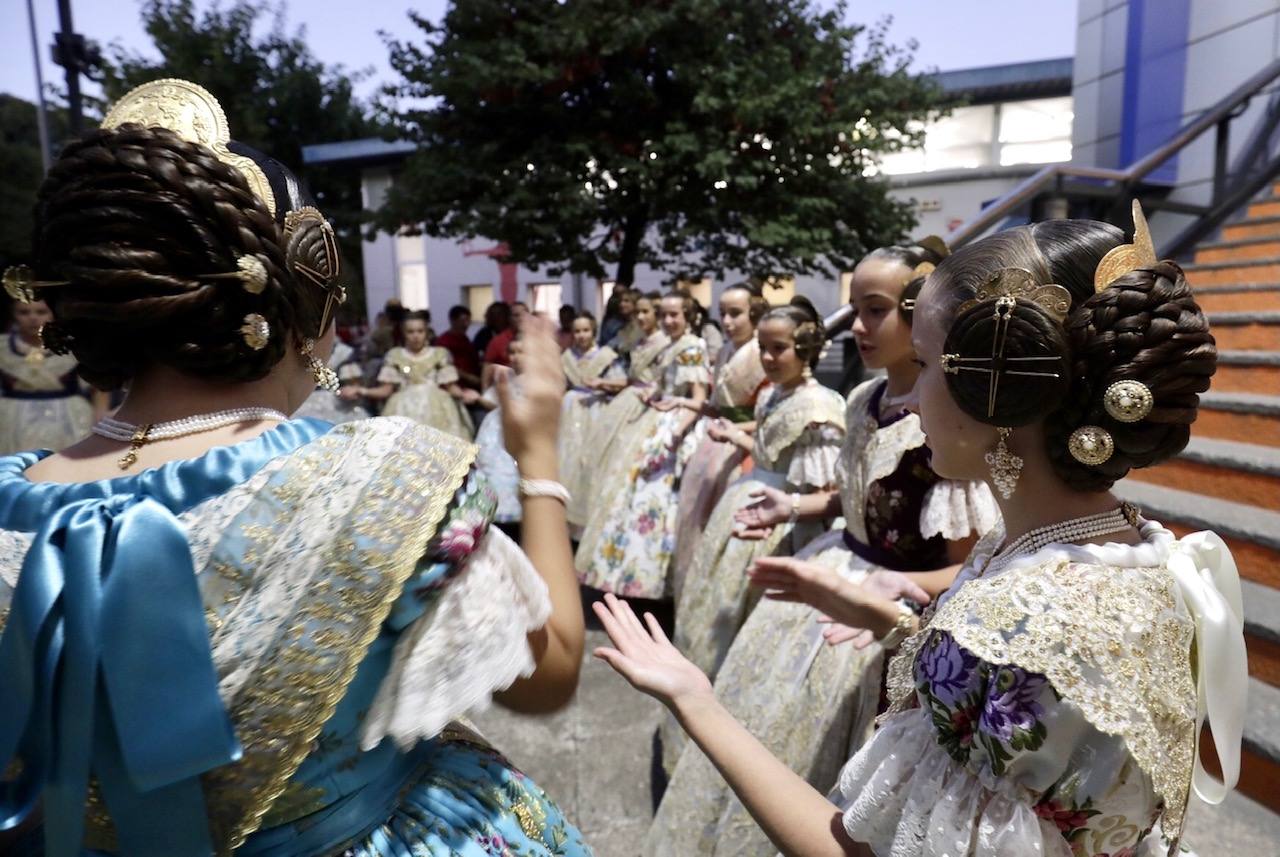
645,657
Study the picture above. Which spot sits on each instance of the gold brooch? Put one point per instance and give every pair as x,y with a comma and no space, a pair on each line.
256,331
1128,401
1020,284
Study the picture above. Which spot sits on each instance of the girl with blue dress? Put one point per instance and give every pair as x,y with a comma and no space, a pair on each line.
224,630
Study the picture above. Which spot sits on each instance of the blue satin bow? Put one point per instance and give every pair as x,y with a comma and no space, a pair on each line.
107,657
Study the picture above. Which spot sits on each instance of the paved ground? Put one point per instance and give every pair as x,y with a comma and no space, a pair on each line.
596,759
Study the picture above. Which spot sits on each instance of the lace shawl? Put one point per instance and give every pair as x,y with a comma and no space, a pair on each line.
646,364
739,375
782,418
432,366
578,370
1113,640
870,453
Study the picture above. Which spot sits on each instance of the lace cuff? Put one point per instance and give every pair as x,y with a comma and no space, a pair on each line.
470,642
389,374
954,510
813,463
447,374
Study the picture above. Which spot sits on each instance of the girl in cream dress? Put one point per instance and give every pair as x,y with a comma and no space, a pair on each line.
420,382
587,369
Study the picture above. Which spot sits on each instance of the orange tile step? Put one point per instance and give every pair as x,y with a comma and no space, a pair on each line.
1234,272
1246,330
1245,297
1230,251
1254,227
1247,372
1239,472
1263,208
1242,417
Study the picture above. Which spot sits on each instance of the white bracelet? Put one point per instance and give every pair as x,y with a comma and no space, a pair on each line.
795,508
543,488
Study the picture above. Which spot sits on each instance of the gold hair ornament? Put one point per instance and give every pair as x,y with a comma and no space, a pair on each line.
1127,257
1091,445
250,271
20,283
256,331
1128,401
191,112
1005,288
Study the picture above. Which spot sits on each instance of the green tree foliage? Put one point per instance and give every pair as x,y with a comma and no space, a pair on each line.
278,96
693,135
22,170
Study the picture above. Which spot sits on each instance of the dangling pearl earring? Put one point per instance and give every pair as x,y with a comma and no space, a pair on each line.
325,378
1006,468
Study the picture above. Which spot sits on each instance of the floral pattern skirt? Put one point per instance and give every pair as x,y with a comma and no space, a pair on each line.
430,405
629,540
713,466
579,461
810,703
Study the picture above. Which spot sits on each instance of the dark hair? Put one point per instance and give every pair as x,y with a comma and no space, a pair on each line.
931,250
1144,327
692,310
809,334
136,219
595,328
757,304
421,315
457,311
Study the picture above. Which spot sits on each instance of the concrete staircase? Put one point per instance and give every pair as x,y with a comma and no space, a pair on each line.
1228,478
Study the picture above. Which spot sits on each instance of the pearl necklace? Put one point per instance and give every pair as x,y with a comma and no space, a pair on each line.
1073,530
139,436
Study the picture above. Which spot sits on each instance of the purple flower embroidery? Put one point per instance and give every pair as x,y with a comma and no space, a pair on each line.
946,668
1011,704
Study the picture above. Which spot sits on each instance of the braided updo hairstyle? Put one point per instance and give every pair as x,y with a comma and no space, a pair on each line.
931,250
133,218
809,334
1144,327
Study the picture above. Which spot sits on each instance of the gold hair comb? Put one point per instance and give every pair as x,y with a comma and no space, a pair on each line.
1020,284
20,283
191,112
1127,257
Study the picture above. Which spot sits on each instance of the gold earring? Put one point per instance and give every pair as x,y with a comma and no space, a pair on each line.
325,378
1006,467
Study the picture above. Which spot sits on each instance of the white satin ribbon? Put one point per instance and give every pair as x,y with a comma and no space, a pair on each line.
1210,585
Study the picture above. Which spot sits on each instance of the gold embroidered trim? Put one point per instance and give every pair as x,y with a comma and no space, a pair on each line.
1113,641
646,364
777,431
739,379
413,474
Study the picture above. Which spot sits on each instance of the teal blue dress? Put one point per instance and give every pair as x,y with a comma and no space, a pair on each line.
225,654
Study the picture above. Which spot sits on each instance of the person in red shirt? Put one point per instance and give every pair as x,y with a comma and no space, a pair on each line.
465,356
498,351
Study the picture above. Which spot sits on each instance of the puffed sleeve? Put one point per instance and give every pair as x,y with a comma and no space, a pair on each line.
389,374
814,456
956,510
691,367
446,372
462,621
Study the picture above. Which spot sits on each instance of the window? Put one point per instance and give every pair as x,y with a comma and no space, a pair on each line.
778,290
477,298
605,292
700,289
1036,132
546,298
411,271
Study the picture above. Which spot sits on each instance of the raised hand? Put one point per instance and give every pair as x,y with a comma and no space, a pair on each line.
890,585
645,657
787,579
531,421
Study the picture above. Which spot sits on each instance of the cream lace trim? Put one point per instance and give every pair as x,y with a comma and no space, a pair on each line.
954,509
1114,641
870,453
588,367
645,357
780,428
471,642
739,376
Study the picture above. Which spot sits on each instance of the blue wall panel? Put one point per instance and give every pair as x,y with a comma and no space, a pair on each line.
1154,79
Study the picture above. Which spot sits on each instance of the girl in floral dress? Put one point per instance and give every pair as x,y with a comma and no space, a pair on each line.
812,704
737,379
419,381
629,542
1051,702
587,368
799,430
630,395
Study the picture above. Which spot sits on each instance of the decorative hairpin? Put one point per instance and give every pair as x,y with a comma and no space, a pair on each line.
20,283
191,112
256,331
1020,284
1005,288
1128,401
298,223
250,271
1127,257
